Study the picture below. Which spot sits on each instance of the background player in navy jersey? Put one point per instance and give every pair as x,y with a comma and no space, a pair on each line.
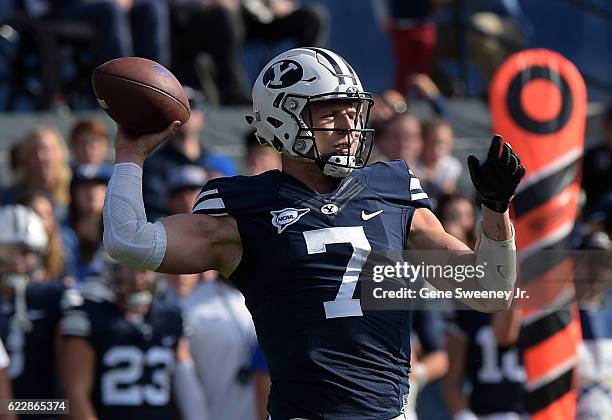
29,309
121,350
491,364
294,242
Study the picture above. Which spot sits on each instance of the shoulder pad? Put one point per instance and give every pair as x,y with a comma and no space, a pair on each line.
71,298
76,323
233,195
395,182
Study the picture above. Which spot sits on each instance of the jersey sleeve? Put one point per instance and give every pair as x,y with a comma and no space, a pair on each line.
234,195
211,200
395,182
76,322
258,362
429,327
418,196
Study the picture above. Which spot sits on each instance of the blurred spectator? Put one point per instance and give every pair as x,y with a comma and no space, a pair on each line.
183,149
121,326
484,32
387,105
222,343
422,87
457,213
185,184
492,367
390,102
413,36
260,158
220,28
54,259
41,162
82,232
30,308
401,139
89,142
437,168
597,168
123,27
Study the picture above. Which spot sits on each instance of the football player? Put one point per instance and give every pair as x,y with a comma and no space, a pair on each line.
121,351
294,241
482,349
29,308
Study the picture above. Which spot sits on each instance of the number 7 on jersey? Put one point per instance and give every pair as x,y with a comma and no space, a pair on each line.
316,241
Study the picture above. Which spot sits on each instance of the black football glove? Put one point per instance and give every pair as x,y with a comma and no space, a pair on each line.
497,178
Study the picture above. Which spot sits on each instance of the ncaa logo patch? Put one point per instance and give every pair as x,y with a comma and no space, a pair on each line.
285,217
282,74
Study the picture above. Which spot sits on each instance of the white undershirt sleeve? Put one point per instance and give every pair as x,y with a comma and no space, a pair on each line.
128,237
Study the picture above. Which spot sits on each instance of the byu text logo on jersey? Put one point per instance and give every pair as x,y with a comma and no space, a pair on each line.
285,217
282,74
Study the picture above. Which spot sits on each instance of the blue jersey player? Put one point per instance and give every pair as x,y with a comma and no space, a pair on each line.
294,241
121,350
489,361
29,309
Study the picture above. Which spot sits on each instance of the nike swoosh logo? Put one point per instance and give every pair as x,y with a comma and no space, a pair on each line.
366,216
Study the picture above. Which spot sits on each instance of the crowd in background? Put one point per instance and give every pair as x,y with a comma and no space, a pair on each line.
202,41
63,182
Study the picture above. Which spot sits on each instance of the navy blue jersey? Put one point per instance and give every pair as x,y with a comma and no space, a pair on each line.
596,324
302,256
428,325
496,373
32,368
134,360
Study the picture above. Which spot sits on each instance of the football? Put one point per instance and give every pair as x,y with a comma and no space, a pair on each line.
140,95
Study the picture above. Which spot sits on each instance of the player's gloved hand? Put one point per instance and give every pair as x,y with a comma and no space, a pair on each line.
497,178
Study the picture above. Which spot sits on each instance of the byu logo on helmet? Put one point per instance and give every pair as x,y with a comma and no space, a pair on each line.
285,217
282,74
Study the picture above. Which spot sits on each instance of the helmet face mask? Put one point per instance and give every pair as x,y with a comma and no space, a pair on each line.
134,289
284,93
354,154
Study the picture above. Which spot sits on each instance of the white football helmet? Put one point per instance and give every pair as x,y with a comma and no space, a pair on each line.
284,88
21,229
20,226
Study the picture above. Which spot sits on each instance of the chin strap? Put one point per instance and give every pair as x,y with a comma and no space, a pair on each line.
337,166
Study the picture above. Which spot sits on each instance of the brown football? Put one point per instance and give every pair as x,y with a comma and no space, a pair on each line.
141,95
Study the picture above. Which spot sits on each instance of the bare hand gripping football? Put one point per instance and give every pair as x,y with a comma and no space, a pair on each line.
497,178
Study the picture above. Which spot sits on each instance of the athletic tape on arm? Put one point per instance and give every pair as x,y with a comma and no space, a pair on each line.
500,259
